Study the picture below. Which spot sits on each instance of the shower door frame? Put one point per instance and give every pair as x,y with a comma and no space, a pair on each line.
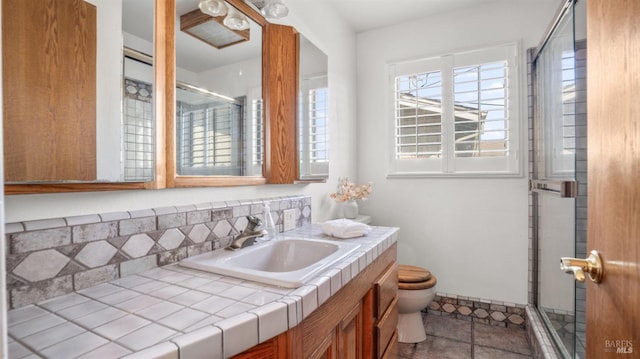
562,188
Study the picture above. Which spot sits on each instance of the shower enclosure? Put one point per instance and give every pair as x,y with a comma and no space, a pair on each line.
559,176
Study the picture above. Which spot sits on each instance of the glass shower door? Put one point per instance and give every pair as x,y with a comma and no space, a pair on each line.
560,179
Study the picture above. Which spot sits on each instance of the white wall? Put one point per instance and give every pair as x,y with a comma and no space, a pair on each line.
109,92
470,232
339,43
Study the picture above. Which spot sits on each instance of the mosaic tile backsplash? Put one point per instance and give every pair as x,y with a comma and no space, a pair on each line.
483,311
52,257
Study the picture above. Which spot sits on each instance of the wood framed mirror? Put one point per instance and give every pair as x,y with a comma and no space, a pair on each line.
58,122
203,150
217,135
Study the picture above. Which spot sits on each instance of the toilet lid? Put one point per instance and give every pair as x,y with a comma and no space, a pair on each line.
414,278
419,285
412,274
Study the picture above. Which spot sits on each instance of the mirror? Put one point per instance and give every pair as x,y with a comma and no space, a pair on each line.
219,109
313,112
138,124
64,121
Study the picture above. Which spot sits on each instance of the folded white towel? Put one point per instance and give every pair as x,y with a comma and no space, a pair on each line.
345,228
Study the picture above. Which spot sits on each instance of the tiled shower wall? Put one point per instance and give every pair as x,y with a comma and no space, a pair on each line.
581,201
52,257
491,312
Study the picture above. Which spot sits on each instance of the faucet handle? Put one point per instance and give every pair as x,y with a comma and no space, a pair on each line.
253,222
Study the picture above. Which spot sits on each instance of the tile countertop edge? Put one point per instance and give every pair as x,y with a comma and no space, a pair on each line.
298,304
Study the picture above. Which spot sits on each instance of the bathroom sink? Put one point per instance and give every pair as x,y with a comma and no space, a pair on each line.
287,263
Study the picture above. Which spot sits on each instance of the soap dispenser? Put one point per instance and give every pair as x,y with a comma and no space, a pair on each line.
269,223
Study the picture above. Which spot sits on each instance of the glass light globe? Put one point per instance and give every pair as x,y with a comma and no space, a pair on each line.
275,9
213,7
235,20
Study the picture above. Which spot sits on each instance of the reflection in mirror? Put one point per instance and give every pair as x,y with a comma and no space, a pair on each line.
138,124
219,117
137,120
313,110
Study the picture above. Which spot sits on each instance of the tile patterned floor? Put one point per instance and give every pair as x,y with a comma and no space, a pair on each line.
452,338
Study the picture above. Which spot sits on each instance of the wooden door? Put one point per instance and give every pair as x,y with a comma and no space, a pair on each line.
613,73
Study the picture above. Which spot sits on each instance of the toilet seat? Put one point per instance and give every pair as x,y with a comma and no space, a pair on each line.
414,278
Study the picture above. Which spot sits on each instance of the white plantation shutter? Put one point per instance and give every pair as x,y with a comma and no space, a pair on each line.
419,115
209,134
480,104
313,127
252,139
318,125
418,112
456,114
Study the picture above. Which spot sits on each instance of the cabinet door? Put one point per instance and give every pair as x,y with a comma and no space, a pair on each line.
326,350
386,316
275,348
350,335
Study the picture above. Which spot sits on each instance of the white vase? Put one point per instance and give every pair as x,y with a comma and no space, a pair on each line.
350,209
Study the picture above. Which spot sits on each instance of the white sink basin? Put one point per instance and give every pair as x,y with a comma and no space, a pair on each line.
287,263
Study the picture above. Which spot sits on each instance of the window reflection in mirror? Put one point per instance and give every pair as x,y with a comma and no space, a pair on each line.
313,112
219,119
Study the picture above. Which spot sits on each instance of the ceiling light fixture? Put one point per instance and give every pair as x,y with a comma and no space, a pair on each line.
217,31
213,7
235,20
271,9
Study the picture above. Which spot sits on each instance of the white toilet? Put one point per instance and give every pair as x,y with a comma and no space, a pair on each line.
416,289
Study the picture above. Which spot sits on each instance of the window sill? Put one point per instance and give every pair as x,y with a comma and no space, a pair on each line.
454,175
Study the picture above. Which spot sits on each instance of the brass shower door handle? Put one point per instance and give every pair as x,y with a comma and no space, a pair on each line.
592,265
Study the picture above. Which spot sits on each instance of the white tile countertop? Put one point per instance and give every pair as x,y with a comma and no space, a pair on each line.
178,312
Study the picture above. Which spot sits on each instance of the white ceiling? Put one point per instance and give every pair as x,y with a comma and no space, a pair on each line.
361,15
191,53
365,15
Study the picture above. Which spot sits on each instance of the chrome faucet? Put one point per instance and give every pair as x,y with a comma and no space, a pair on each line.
247,237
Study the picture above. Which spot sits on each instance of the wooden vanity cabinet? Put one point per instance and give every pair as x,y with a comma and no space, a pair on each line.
386,312
358,322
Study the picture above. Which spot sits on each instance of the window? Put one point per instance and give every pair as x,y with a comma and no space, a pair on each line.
557,108
456,114
254,144
313,128
258,132
209,134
